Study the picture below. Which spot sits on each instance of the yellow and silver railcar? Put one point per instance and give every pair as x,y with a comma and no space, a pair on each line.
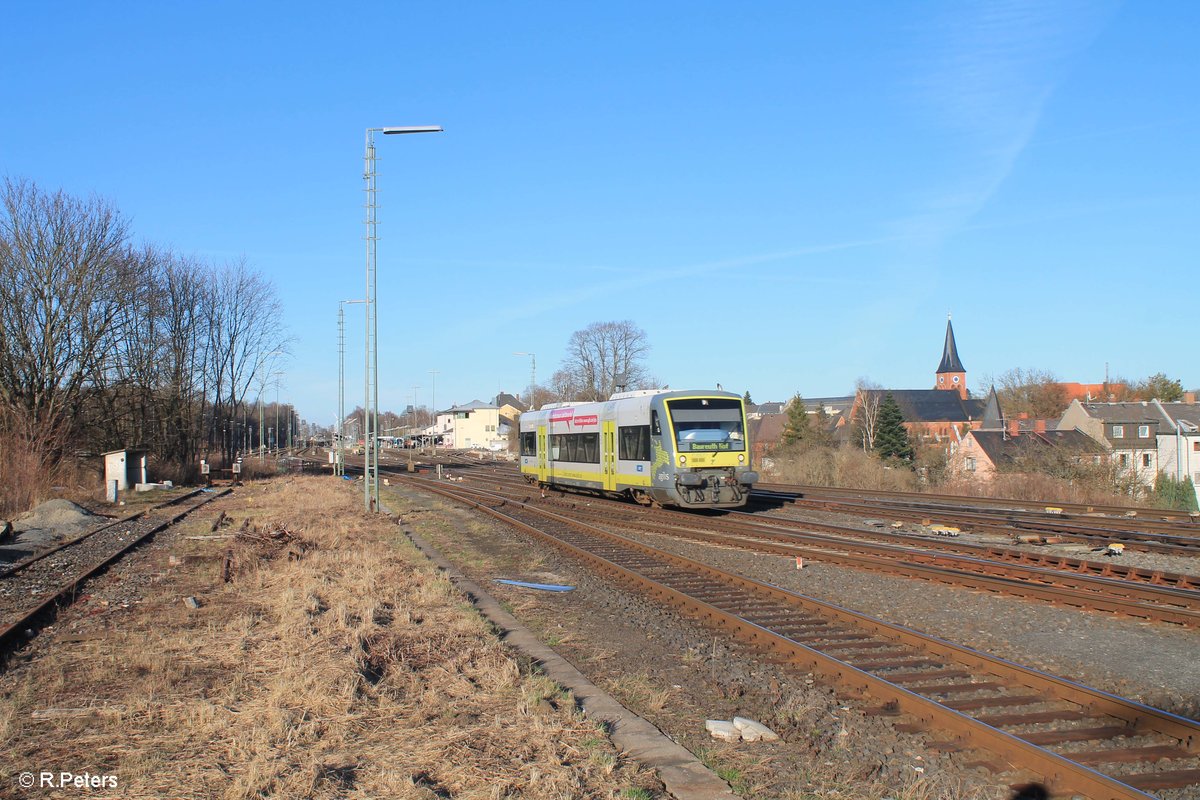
679,448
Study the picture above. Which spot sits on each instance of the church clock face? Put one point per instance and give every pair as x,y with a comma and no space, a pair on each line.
956,379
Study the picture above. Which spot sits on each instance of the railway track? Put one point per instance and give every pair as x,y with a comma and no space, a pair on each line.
1079,739
1092,585
880,496
1177,537
30,588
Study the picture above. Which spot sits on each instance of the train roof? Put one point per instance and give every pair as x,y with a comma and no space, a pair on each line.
645,393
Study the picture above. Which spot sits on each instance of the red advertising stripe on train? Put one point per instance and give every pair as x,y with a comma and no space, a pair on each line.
590,419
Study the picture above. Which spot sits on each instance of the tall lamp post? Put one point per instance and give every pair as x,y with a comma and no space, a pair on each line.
339,466
412,416
532,375
433,408
371,379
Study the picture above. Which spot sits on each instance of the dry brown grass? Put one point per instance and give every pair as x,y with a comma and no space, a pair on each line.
847,467
1045,488
334,664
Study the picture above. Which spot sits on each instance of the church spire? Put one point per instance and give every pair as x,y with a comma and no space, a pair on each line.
951,374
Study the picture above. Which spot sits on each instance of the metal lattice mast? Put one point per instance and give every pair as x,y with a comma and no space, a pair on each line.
338,453
433,410
370,378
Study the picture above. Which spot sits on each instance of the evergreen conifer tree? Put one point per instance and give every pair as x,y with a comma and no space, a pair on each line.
891,438
746,398
797,428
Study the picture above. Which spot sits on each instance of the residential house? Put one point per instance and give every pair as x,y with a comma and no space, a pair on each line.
765,432
473,425
511,408
983,453
754,411
1179,446
1128,430
1147,437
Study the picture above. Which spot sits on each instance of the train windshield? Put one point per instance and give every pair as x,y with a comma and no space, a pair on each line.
709,424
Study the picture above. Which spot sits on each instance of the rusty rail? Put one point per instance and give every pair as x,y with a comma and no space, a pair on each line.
781,622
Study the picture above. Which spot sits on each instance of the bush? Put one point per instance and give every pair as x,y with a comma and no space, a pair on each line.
1171,493
846,467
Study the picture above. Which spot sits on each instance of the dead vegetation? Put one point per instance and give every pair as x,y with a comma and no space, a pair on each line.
324,660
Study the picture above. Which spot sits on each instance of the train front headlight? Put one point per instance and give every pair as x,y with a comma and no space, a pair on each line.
741,458
683,459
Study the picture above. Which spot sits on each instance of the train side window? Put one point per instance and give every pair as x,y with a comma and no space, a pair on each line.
634,444
589,450
529,444
583,448
655,428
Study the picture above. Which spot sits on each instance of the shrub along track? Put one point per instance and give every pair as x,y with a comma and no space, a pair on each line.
31,588
1080,739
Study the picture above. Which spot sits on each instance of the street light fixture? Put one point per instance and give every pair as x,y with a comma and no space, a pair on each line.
371,379
532,375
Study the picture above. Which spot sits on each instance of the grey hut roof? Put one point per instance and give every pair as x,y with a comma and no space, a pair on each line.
950,360
993,417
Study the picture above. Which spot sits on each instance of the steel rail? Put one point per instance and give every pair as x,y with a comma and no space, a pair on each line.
1061,772
16,566
1007,523
1108,568
1185,534
8,631
1000,503
1163,604
1175,602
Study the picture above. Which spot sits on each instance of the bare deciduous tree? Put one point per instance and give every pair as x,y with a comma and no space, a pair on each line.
63,279
105,345
603,356
1034,392
244,335
866,412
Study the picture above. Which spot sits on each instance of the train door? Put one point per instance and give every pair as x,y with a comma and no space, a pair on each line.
543,450
608,455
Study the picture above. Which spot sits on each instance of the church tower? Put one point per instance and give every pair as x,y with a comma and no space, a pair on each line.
951,375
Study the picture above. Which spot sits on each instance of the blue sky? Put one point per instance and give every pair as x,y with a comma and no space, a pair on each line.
786,196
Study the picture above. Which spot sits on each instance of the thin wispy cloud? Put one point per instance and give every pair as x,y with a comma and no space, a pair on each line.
989,71
580,294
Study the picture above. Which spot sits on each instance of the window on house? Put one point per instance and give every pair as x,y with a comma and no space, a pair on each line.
1143,431
1196,447
1118,431
970,465
1124,460
1145,459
